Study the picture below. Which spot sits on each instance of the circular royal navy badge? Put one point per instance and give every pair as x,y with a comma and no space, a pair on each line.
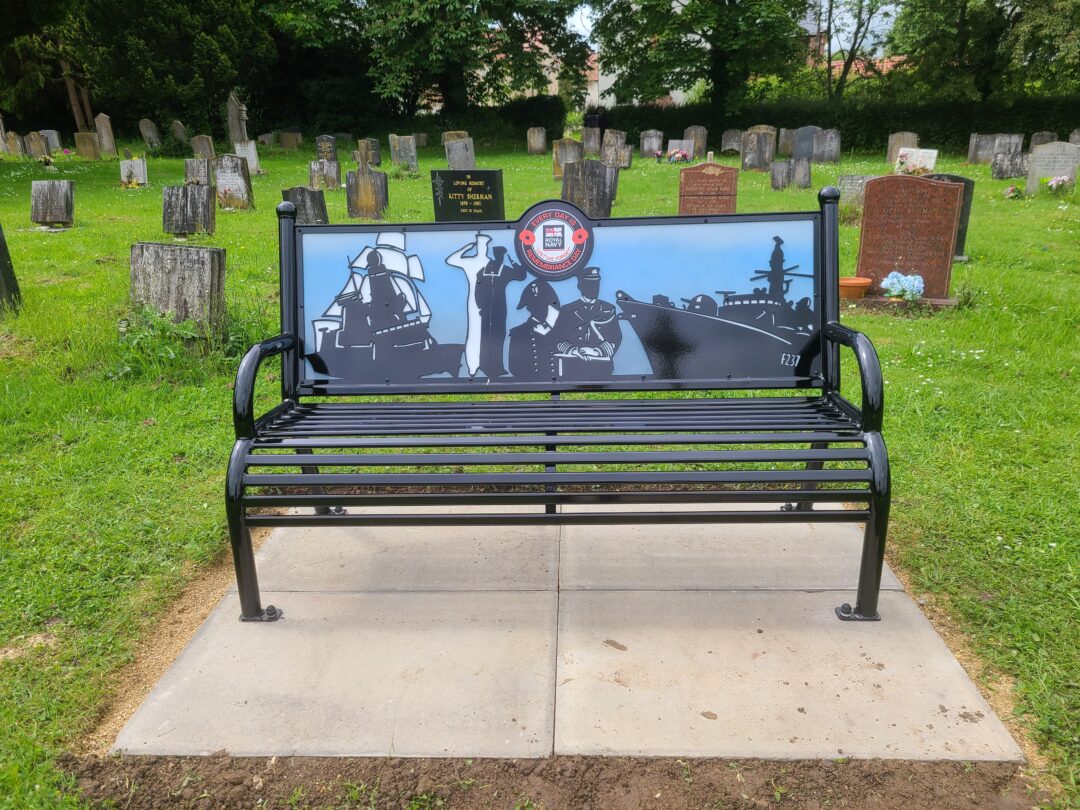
554,240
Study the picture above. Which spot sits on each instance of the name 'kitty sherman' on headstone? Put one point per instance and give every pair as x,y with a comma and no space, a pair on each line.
1009,164
233,182
310,205
852,187
150,135
536,140
586,184
52,203
651,142
106,141
203,147
965,208
460,154
249,152
1058,159
909,226
133,172
366,194
708,188
898,141
564,151
324,174
184,281
468,196
326,148
188,209
87,146
10,295
198,172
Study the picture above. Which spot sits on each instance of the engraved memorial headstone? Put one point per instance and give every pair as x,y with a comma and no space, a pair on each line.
830,147
366,194
395,152
407,153
52,203
198,172
852,187
909,159
468,196
150,135
452,135
326,148
188,209
290,139
87,145
785,142
133,172
1058,159
310,204
1074,136
965,208
367,153
236,119
203,147
700,136
184,281
587,184
800,173
249,152
52,138
536,139
178,131
564,151
420,138
731,142
16,145
680,145
324,174
36,145
651,142
1009,164
233,182
757,152
780,172
898,141
807,143
707,188
769,142
1039,138
590,140
460,154
106,141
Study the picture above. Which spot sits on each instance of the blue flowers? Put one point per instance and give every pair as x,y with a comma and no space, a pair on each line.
897,285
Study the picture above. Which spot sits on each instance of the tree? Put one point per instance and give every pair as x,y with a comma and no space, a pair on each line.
1044,46
851,21
655,46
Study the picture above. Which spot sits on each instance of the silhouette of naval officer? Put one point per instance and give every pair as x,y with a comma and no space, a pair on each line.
491,299
588,333
777,277
532,346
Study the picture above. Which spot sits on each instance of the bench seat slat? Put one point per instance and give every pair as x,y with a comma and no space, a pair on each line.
523,498
560,518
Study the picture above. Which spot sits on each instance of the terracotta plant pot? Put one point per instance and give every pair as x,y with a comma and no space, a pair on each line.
853,287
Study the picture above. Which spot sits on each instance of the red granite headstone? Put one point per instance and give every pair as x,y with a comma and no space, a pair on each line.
909,225
708,188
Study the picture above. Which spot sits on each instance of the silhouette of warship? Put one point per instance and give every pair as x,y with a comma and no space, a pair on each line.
730,339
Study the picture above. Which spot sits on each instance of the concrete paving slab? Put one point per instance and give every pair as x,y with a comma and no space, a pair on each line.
388,674
762,674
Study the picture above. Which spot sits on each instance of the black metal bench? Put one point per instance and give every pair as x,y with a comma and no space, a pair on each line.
409,379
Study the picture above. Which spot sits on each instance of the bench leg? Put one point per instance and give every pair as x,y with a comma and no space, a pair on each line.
873,552
247,580
312,470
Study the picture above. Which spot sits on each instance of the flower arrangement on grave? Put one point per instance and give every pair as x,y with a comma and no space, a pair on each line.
1056,185
897,285
678,156
904,167
1013,193
659,154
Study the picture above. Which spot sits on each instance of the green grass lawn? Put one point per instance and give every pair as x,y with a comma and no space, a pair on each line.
114,437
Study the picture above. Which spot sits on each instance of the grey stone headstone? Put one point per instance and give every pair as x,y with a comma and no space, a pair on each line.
1074,136
326,148
651,142
106,141
178,131
150,135
198,172
395,151
588,185
924,159
898,141
3,137
36,145
1039,138
780,173
324,174
700,136
536,139
852,188
233,182
52,202
769,141
368,153
460,154
1004,142
346,137
87,145
800,173
310,205
267,139
757,151
613,138
731,141
133,172
1052,160
15,144
184,281
127,154
249,152
52,138
590,140
188,209
367,194
1009,164
830,147
807,142
236,119
421,139
290,139
407,152
680,145
564,151
626,156
203,147
785,142
965,206
452,135
10,295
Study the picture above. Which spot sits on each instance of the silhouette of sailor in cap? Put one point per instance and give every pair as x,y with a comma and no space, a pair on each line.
588,332
531,342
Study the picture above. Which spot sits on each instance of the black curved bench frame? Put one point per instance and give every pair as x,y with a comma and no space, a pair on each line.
807,436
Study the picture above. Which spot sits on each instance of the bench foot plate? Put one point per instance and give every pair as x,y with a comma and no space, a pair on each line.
269,614
846,613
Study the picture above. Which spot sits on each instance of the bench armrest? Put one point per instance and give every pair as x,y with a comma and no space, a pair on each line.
873,387
244,390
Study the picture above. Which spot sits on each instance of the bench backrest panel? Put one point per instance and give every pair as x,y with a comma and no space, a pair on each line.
555,301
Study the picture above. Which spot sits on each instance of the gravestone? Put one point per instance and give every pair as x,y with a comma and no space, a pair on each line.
757,152
909,225
780,172
898,141
830,147
808,143
612,176
420,138
651,142
800,173
1058,159
3,137
587,184
1009,164
915,159
536,140
700,136
395,152
407,153
785,142
236,119
1005,143
198,172
982,147
680,145
326,148
731,142
203,147
290,139
590,140
1039,138
178,131
16,144
52,138
965,208
366,194
626,156
232,180
184,281
769,142
106,141
452,135
852,187
468,196
267,139
612,138
367,153
10,296
188,209
707,188
87,145
564,151
150,135
52,203
1074,136
36,145
324,175
310,205
460,155
133,172
249,152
